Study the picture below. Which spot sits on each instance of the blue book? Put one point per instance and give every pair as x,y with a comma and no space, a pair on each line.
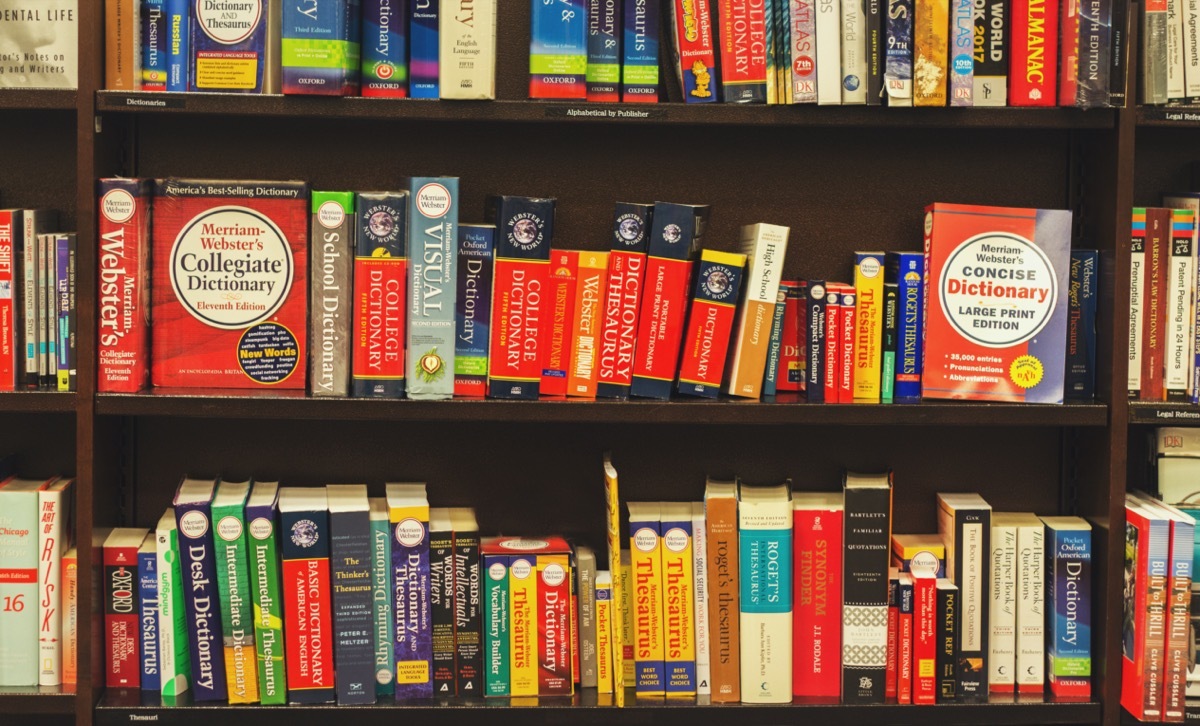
193,517
473,311
148,602
604,51
1081,326
353,592
765,586
320,47
179,22
907,271
385,48
815,344
408,513
898,56
154,45
228,42
423,54
639,59
771,370
1069,594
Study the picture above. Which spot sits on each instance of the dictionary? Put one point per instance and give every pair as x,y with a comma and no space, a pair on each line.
558,50
695,56
898,56
305,590
473,311
122,36
380,285
715,292
321,49
331,276
604,51
262,509
591,286
557,323
233,582
814,342
424,48
996,313
193,515
432,282
931,32
178,20
385,48
467,60
123,342
765,246
122,630
1138,280
228,43
626,278
792,358
408,512
230,284
1069,599
743,62
771,370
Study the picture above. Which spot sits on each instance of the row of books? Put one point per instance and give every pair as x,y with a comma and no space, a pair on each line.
39,589
1169,64
902,52
38,321
381,48
1164,355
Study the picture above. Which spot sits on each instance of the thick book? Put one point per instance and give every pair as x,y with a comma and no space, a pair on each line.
383,624
814,342
949,613
1033,53
122,38
1176,89
408,512
147,563
1143,630
555,649
965,524
473,311
496,609
898,53
123,309
817,629
228,45
765,601
424,49
122,628
603,75
622,301
384,49
1002,605
829,52
585,573
1154,305
321,49
202,601
1153,44
1069,604
639,51
262,550
799,72
175,664
331,278
432,282
380,293
19,648
645,539
740,29
557,323
764,246
679,617
702,597
721,535
584,334
1069,26
441,600
868,325
558,50
867,542
693,46
1083,296
350,558
931,42
305,588
233,581
468,612
854,53
1096,49
1031,605
53,536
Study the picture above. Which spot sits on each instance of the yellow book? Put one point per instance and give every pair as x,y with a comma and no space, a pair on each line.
645,536
604,639
931,43
408,514
522,631
623,646
620,615
868,321
679,584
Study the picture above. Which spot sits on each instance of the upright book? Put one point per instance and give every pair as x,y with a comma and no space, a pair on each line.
817,634
53,537
122,632
176,666
679,619
123,342
384,48
1143,631
432,265
558,50
321,48
604,51
626,280
353,593
148,616
965,524
193,515
867,541
473,309
764,246
721,535
715,292
19,592
305,586
467,49
764,550
408,512
424,48
233,581
378,361
645,539
441,600
262,515
1068,605
640,62
331,277
468,610
384,624
228,45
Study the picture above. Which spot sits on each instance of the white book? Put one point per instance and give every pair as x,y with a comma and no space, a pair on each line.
1176,88
854,53
765,246
173,660
467,49
18,593
53,538
829,52
700,575
1191,48
1002,658
765,535
1031,606
1137,289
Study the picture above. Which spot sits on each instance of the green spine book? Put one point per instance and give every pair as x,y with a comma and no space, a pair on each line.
381,578
261,510
495,623
174,662
233,582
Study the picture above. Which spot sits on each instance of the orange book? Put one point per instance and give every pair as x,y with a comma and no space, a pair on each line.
122,36
556,327
70,617
721,521
591,283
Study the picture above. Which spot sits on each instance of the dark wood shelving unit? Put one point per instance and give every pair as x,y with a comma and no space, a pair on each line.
32,702
37,402
37,99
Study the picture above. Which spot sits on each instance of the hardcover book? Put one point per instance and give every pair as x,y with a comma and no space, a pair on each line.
695,56
10,232
764,246
1154,306
1068,606
123,322
1080,384
645,539
558,50
148,615
214,240
495,620
193,515
54,534
424,48
626,278
702,599
679,577
1002,607
441,600
467,49
817,633
122,629
1031,605
622,623
1033,54
321,48
408,511
175,664
814,377
384,48
829,52
305,588
331,277
1143,631
931,38
585,573
383,623
556,325
1068,50
380,295
1137,300
122,38
965,524
923,554
233,581
765,549
741,30
70,618
432,270
522,632
604,51
261,514
228,45
639,47
898,58
1009,316
854,53
1180,314
473,313
868,511
721,535
992,34
962,53
1154,60
178,51
41,44
591,288
792,360
800,65
715,293
351,560
468,615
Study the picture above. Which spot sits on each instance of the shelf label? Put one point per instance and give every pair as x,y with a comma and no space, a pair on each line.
613,111
146,101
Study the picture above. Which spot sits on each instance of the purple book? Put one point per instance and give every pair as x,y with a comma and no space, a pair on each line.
408,508
193,516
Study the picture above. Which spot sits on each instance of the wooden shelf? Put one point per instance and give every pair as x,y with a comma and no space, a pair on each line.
37,99
37,701
1154,413
123,707
37,402
225,104
295,405
1169,116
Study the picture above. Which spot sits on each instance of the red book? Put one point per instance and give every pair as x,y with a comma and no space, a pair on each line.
10,228
714,298
904,640
304,589
1068,50
846,362
1143,660
557,322
377,366
626,277
741,34
1154,303
925,687
695,56
817,597
554,625
122,616
791,377
123,307
833,340
893,633
1033,60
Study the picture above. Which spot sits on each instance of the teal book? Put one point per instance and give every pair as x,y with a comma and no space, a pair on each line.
495,621
432,286
765,589
381,581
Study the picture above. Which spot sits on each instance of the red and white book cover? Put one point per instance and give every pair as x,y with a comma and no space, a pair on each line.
123,288
230,284
817,598
121,613
305,587
554,625
904,639
622,301
1143,634
833,340
893,634
10,227
558,321
53,536
925,645
846,338
1033,60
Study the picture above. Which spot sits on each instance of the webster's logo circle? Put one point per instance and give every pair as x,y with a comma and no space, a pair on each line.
193,524
410,532
672,234
924,563
231,267
869,267
433,200
629,228
553,575
331,215
229,528
228,21
675,539
818,292
261,528
645,539
305,533
118,206
497,571
718,282
521,569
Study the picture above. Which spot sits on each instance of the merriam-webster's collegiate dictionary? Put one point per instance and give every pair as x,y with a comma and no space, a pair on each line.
39,44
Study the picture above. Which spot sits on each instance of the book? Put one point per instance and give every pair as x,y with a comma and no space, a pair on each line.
868,325
524,234
424,49
68,305
558,50
496,607
675,238
622,589
262,550
1190,49
603,76
622,302
965,524
408,512
123,310
765,246
441,600
645,539
557,324
1154,307
1068,48
887,372
233,582
147,562
800,63
721,537
1002,606
47,312
949,611
384,48
468,615
931,38
792,359
702,598
1176,86
1068,606
584,334
678,595
61,319
1143,629
305,588
473,318
604,634
35,222
829,52
774,347
1082,295
1033,53
585,574
834,328
814,377
992,27
555,650
1031,605
1095,53
771,42
1180,313
961,55
817,633
122,629
925,640
175,665
70,618
10,230
522,633
122,38
639,47
383,621
848,344
378,362
1012,318
178,51
1178,601
1190,202
875,39
743,63
201,339
694,51
331,277
227,45
53,536
765,584
432,256
42,45
202,602
352,590
1154,60
892,677
867,538
898,58
1137,300
321,48
854,53
920,554
904,637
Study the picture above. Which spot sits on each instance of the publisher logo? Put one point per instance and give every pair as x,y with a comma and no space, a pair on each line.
818,292
525,231
331,215
228,22
497,571
645,539
718,282
193,524
118,206
305,533
672,233
676,539
629,228
803,66
261,528
924,564
524,545
229,528
381,225
553,575
383,676
433,201
850,83
410,532
384,71
869,267
521,569
998,289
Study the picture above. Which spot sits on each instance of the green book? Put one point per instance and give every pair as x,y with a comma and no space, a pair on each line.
381,579
887,379
175,664
495,623
261,515
233,582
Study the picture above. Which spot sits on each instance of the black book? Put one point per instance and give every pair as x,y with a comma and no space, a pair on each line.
815,345
468,613
965,524
441,600
868,534
947,627
873,14
353,591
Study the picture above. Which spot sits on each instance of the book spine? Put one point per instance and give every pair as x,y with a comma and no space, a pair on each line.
148,620
765,246
628,639
1153,42
178,25
829,52
887,374
972,574
1080,381
154,43
1069,26
833,342
523,636
715,293
793,358
352,588
905,641
771,42
604,51
764,542
854,54
263,555
1096,48
864,587
473,314
723,567
847,342
46,340
639,63
228,43
647,596
29,314
423,76
1176,86
10,227
802,60
1158,223
70,621
441,604
468,617
1031,604
585,620
1181,289
1118,55
1033,58
556,327
202,601
385,48
320,49
305,587
948,614
233,581
553,624
771,373
1154,633
432,255
931,27
604,635
121,621
330,278
72,316
174,662
679,658
62,301
626,278
898,56
814,382
875,38
411,604
50,541
1178,613
585,334
962,53
991,53
1070,652
558,50
124,286
925,641
496,626
1002,659
1191,49
868,326
381,606
702,600
380,292
1137,298
695,55
893,627
122,37
741,29
817,635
